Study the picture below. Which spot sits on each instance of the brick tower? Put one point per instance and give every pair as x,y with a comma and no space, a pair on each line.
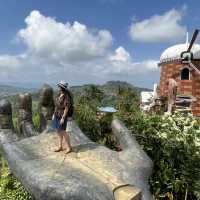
187,73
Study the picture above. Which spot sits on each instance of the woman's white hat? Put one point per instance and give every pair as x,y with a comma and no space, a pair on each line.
63,85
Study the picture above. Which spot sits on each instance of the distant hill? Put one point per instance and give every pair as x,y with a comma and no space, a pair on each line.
110,87
113,86
7,90
110,90
11,92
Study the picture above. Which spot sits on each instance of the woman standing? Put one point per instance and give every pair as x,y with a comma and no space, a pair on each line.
63,111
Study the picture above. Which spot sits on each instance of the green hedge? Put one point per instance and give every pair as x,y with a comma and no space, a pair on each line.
173,143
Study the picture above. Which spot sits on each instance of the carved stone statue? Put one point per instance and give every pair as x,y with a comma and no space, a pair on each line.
172,92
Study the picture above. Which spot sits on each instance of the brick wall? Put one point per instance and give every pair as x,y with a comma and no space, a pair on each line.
190,87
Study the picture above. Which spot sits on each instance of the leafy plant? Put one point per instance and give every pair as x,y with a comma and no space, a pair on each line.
97,129
10,188
173,143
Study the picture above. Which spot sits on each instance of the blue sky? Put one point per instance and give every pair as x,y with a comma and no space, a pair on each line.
117,39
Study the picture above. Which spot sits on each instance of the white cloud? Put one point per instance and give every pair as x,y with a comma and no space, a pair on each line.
9,61
71,52
159,28
120,55
121,63
9,66
48,38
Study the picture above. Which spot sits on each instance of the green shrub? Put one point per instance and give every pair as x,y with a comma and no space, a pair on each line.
86,118
128,101
10,188
36,116
98,130
16,125
173,143
36,121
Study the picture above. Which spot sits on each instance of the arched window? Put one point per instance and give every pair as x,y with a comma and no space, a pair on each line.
185,74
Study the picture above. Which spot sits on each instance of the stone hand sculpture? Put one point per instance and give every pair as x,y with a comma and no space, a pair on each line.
91,172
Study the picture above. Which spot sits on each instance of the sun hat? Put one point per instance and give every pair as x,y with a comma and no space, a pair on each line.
63,85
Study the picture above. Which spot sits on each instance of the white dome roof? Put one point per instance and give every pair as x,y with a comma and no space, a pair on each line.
174,52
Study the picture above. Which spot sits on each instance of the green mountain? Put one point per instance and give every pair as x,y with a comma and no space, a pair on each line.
114,86
110,89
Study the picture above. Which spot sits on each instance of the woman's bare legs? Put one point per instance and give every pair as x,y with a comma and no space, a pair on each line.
67,139
63,134
60,136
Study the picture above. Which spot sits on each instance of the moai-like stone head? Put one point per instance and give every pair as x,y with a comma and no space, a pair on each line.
46,107
5,115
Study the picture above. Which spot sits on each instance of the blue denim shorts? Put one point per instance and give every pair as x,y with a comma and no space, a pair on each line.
56,124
